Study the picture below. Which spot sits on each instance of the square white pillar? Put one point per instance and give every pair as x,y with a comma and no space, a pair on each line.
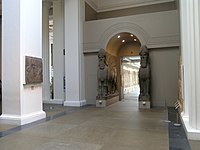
45,52
21,36
58,57
74,63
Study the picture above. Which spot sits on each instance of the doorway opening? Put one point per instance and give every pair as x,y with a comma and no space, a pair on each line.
130,82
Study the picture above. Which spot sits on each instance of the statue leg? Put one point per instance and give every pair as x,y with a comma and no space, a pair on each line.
147,87
99,88
142,88
105,89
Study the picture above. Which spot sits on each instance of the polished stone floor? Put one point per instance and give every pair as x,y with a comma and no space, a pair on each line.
120,126
117,127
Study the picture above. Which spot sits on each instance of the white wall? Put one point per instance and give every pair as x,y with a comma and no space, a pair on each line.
156,30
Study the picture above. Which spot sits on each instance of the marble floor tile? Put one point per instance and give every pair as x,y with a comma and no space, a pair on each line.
95,135
140,138
48,130
66,145
195,145
78,117
121,126
4,127
19,141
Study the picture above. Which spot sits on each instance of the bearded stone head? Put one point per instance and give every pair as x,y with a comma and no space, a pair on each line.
144,55
102,58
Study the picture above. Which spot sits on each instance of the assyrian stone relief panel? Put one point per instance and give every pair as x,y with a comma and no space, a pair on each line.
33,70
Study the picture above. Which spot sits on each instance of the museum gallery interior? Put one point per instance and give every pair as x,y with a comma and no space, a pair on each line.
100,74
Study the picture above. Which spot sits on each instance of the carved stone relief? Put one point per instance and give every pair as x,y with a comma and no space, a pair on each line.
33,70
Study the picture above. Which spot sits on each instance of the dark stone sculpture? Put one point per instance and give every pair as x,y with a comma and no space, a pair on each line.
106,76
144,75
102,74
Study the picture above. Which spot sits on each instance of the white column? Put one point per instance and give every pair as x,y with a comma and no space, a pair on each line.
45,52
190,50
21,36
58,46
74,63
184,19
195,114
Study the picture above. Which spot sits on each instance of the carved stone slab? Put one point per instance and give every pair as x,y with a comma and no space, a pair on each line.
33,70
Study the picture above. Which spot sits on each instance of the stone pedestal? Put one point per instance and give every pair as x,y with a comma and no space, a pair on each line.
103,102
144,104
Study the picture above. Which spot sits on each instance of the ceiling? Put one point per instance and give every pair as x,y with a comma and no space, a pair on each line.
108,5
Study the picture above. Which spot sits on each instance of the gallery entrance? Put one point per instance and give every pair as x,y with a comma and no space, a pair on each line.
130,83
125,48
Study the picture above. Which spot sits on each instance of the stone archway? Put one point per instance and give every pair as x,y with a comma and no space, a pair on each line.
121,45
124,27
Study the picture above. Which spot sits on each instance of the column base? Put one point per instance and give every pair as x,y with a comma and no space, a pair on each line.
23,119
192,134
53,101
77,103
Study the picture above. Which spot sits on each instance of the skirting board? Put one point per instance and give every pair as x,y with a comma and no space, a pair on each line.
75,103
23,119
192,134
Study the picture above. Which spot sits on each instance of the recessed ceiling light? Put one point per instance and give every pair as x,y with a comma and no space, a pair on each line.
135,40
131,35
123,41
118,36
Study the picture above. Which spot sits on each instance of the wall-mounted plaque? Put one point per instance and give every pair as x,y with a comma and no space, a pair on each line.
33,70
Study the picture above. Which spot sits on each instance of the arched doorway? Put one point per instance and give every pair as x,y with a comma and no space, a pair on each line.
124,47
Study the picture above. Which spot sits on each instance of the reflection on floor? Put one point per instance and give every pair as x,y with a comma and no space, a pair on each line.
120,126
53,109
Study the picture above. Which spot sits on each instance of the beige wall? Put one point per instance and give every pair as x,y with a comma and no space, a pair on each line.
164,76
91,65
90,13
137,10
